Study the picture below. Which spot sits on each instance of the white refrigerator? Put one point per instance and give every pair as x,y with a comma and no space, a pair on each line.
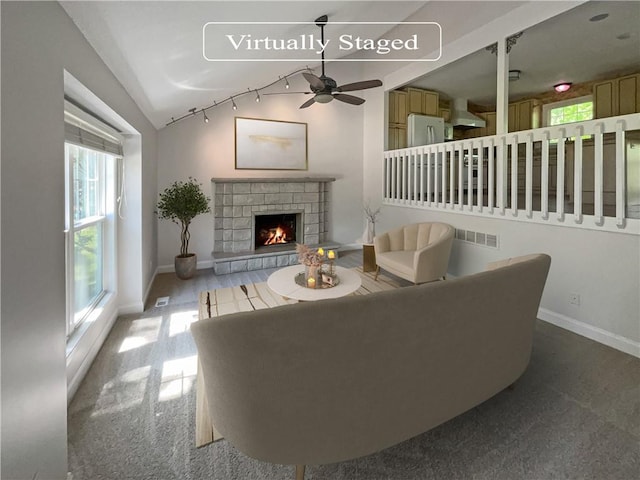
424,130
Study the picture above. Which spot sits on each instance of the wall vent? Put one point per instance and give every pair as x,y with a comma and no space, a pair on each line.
477,238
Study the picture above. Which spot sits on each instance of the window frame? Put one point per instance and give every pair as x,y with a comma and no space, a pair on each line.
548,107
105,216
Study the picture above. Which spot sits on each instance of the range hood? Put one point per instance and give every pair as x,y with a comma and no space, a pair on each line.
463,118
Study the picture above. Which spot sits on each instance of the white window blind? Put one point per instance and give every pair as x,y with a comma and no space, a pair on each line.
83,130
78,136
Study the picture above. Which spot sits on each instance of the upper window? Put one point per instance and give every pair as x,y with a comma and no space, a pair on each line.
569,111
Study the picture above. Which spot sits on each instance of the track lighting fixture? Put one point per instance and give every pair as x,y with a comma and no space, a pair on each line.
193,111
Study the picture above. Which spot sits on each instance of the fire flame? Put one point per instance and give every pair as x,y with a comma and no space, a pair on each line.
276,235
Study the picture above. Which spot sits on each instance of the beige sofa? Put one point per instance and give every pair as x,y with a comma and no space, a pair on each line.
418,252
321,382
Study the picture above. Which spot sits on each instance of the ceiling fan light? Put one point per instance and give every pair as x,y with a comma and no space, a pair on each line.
562,87
323,97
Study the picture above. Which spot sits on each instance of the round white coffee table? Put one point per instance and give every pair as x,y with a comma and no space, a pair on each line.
283,283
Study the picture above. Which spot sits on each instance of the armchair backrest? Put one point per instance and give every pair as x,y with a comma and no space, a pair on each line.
418,235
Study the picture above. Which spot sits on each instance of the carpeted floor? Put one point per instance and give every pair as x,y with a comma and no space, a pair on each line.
574,414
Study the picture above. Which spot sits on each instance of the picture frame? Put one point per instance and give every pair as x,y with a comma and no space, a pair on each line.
262,144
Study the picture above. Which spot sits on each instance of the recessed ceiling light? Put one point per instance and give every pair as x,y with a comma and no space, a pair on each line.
624,36
597,18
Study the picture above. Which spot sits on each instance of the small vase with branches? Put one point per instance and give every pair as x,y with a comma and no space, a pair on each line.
371,215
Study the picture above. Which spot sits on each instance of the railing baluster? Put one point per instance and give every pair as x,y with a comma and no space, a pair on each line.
436,183
452,178
396,184
544,177
490,177
501,166
429,178
560,178
440,157
385,176
480,198
598,180
421,173
460,172
621,174
577,176
415,177
514,176
528,178
470,176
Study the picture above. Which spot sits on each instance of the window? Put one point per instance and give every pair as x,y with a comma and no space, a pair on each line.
569,111
577,112
90,222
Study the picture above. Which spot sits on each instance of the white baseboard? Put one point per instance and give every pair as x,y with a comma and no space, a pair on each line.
201,265
594,333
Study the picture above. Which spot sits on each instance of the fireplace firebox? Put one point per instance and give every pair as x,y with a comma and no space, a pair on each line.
276,229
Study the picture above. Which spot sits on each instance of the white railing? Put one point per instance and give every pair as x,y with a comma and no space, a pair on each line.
550,175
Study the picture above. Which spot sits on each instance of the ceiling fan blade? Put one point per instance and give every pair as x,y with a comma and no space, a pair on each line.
314,81
288,93
360,85
349,99
308,103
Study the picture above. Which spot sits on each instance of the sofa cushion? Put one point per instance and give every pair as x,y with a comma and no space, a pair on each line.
401,260
396,239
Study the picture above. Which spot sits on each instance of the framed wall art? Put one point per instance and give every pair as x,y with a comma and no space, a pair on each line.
270,144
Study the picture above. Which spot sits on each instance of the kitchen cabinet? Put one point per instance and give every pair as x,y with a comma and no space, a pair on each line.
397,137
524,115
619,96
397,107
445,113
422,102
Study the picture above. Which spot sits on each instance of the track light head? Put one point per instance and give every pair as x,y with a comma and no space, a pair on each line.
205,118
257,97
233,104
286,83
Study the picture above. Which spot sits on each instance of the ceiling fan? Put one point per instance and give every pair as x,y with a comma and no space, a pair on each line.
325,89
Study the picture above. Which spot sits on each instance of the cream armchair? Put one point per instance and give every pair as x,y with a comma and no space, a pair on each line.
418,252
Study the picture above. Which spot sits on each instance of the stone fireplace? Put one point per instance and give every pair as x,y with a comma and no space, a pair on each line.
249,211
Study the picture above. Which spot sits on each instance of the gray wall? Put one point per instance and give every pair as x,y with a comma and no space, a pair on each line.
39,41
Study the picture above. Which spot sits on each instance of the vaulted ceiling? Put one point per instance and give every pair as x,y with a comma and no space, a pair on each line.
155,48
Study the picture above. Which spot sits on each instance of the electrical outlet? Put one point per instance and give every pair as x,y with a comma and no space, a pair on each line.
574,299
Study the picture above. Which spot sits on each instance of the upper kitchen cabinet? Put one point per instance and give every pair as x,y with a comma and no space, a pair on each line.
422,102
619,96
397,107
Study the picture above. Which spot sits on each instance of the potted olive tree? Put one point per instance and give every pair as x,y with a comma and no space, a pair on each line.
181,202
